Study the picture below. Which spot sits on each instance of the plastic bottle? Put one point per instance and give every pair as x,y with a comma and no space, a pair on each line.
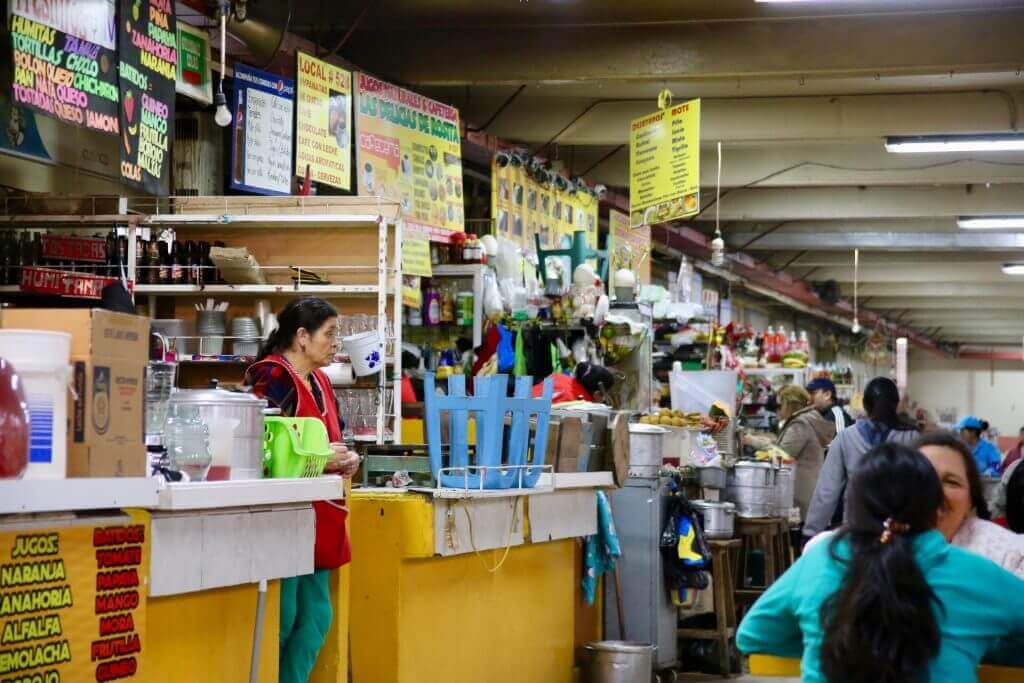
782,341
805,343
447,304
768,345
431,307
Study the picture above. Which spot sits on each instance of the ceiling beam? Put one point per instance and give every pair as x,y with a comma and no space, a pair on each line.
903,241
523,53
978,292
923,271
942,304
804,203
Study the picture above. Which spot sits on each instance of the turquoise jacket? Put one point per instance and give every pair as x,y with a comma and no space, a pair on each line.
983,607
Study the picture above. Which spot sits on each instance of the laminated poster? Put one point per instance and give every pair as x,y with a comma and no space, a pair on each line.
148,71
73,601
664,165
410,151
323,122
63,76
629,247
91,20
262,137
522,207
194,64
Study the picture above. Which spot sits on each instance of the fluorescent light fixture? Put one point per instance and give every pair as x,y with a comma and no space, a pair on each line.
1013,268
995,142
990,222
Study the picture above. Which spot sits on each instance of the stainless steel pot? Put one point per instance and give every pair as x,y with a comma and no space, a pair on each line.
782,501
752,488
235,421
719,518
616,661
645,449
712,477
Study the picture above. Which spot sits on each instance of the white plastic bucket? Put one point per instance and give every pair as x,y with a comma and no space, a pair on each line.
41,359
364,350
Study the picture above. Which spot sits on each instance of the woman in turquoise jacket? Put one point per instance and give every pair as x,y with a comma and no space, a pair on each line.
888,600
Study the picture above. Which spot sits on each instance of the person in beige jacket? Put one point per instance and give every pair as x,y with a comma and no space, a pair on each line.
804,436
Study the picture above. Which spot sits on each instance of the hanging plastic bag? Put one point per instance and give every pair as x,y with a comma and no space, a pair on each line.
519,364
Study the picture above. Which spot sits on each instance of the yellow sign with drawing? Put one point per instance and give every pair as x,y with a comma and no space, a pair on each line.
73,602
664,165
323,122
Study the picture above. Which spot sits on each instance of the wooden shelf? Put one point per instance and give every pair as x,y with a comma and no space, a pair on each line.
242,290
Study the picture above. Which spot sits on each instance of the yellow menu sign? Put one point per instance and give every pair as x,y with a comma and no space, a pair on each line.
410,151
73,602
323,122
416,257
629,248
664,165
522,207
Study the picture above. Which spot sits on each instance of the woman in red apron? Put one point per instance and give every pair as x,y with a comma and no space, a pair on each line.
287,374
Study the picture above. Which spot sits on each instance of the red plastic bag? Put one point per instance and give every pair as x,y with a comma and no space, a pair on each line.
332,548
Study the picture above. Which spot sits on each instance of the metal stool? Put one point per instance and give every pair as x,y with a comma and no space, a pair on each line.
723,559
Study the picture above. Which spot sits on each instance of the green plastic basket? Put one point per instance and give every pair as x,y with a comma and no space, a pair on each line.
295,447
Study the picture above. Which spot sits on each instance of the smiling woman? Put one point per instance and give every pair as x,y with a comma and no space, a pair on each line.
963,519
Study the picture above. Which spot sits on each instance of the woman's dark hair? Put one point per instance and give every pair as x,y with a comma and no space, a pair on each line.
594,378
309,312
882,402
879,626
1015,501
948,440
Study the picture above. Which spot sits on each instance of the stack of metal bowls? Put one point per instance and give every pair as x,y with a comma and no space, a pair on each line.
211,326
246,334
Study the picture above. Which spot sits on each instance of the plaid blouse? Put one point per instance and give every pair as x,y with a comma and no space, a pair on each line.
273,383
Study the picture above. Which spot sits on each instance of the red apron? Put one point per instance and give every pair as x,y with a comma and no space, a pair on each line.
332,548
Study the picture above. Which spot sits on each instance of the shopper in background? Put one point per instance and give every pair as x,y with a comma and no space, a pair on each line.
1015,498
288,375
887,599
823,395
964,516
985,452
1014,454
882,425
804,436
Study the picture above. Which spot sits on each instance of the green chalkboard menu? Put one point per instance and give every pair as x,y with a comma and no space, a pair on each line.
147,46
63,76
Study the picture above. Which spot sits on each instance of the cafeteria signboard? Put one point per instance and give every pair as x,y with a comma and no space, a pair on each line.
148,48
410,151
664,164
73,601
261,140
323,122
63,76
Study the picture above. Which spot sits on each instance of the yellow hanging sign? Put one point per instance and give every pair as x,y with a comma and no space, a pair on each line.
323,122
664,164
416,258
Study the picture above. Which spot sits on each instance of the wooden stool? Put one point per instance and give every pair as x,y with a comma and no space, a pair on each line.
760,534
723,554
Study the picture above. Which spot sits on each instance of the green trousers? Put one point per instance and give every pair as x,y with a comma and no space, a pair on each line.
305,620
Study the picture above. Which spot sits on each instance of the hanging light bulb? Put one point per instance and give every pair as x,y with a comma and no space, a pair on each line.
855,327
223,115
718,244
718,252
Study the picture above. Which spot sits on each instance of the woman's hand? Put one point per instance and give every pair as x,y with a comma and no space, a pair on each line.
344,462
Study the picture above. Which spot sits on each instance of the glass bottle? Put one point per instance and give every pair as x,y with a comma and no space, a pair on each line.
179,264
447,304
25,258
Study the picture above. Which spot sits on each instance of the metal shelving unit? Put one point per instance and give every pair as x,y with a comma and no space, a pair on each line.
474,272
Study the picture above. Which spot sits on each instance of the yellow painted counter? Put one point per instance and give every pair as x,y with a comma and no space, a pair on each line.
417,617
768,666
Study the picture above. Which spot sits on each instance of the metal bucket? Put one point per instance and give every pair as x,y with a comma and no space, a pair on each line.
784,491
752,488
646,445
617,661
712,477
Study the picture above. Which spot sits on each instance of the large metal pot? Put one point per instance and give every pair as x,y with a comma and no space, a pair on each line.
616,661
752,488
782,502
645,450
712,477
719,518
235,421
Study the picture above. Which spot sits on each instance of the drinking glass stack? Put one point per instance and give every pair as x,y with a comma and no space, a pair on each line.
212,327
246,335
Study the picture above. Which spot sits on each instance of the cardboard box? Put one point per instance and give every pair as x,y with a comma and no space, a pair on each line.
109,352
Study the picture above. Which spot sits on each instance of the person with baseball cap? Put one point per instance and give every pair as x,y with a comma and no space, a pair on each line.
985,452
823,398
